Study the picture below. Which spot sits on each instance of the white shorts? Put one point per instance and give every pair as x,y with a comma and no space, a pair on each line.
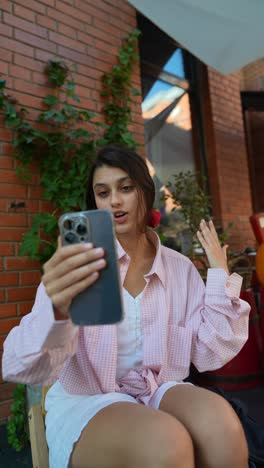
67,415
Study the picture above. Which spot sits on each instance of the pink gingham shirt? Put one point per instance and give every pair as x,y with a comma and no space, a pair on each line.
182,321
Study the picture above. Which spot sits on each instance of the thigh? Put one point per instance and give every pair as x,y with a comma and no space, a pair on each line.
213,424
133,435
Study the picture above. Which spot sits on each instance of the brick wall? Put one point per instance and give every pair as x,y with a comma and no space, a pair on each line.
253,80
253,76
227,158
82,32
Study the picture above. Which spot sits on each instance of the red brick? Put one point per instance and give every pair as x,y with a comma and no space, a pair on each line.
4,205
43,55
7,310
8,279
121,25
12,191
28,101
25,25
3,68
14,219
46,22
35,41
5,134
91,9
7,249
35,192
67,42
28,278
100,57
118,13
66,30
110,49
5,30
2,339
32,206
5,410
25,307
60,17
6,55
40,79
16,46
7,324
89,71
73,12
24,12
75,56
30,88
11,234
46,205
50,3
8,177
29,63
33,5
23,73
2,298
5,162
102,35
6,5
21,263
6,391
107,28
20,294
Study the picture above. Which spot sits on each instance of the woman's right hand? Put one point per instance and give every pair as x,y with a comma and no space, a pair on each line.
68,272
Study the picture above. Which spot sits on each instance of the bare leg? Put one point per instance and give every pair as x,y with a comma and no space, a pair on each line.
127,435
217,435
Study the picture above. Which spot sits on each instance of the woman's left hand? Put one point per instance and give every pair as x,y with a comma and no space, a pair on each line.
216,254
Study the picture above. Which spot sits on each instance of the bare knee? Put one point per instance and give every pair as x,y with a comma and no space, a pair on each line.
131,436
233,446
217,435
227,446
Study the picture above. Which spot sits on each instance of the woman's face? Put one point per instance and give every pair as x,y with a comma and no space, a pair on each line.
115,191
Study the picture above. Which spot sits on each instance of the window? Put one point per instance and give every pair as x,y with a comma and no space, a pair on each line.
170,112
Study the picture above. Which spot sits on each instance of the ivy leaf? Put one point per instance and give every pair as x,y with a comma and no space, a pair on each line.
50,100
70,85
135,92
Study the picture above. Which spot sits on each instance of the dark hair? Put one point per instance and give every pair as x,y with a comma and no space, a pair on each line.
133,164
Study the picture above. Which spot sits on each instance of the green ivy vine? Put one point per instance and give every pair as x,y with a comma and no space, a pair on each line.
118,94
17,434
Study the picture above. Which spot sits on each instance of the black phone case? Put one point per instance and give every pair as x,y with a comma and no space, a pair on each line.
101,303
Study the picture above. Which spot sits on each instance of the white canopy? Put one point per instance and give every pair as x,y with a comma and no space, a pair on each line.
224,34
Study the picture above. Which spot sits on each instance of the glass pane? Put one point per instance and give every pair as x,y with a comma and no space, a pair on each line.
175,64
168,138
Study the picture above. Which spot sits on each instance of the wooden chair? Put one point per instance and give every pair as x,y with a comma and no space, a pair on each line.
39,447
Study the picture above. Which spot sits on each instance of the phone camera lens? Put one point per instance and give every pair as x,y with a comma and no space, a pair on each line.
68,224
81,229
70,237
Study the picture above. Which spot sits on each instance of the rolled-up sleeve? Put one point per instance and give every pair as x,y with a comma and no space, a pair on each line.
35,351
218,317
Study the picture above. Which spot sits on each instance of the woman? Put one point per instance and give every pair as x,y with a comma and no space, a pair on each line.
119,399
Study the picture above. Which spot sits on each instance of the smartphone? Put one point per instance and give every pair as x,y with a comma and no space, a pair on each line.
101,303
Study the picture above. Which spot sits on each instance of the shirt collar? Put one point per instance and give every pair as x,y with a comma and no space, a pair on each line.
158,265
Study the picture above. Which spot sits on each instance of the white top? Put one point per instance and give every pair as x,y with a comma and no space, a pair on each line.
129,336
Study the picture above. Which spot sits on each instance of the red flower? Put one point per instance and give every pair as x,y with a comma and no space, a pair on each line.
154,219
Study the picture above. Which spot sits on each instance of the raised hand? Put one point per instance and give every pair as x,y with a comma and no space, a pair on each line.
216,254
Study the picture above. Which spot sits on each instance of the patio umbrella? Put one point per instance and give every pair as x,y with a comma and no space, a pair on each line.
224,34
